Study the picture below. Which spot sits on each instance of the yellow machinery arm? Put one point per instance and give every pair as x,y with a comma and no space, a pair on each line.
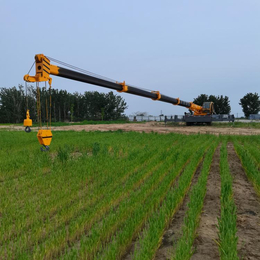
44,69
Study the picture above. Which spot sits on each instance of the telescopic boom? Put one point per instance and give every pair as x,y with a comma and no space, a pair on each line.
44,69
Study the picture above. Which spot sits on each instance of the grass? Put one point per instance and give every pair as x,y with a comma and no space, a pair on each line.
85,122
184,246
228,220
248,151
95,193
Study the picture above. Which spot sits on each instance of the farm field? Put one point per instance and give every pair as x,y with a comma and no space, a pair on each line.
129,195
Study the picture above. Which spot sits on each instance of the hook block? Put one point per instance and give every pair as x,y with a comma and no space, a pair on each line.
44,137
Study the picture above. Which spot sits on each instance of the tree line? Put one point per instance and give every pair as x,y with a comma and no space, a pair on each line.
91,105
65,106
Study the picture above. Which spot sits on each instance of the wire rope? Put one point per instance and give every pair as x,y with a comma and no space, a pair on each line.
31,68
39,105
81,70
93,74
26,94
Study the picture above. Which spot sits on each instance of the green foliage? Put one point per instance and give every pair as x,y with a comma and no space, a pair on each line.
249,155
65,106
95,193
228,220
96,148
201,99
159,221
63,153
250,104
13,102
184,246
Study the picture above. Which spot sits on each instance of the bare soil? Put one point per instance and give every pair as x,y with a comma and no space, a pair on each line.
205,245
248,209
174,231
158,127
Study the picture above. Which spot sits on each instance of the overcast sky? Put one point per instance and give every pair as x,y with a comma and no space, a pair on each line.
181,48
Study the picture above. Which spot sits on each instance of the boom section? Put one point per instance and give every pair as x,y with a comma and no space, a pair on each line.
44,69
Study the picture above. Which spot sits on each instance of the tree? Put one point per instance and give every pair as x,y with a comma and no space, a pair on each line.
65,106
115,106
138,113
101,106
201,99
221,103
250,104
13,104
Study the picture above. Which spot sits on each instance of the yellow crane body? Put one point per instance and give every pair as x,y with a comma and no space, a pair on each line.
44,69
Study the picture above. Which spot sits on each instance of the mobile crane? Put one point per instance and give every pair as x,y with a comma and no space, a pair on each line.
44,68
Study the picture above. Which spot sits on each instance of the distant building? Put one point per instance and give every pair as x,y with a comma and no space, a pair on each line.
254,117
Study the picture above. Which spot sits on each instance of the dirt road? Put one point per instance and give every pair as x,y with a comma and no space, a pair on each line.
151,127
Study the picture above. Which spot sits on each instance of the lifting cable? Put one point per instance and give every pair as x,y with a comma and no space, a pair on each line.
27,122
38,97
81,70
91,73
44,135
26,94
48,107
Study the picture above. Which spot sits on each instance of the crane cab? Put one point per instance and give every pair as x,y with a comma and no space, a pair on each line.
208,108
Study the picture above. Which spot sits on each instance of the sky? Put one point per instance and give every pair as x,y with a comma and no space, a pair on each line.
180,48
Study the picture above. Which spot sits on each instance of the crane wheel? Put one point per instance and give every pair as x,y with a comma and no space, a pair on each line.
27,129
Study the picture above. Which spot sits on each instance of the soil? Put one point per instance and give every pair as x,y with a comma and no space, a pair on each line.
205,244
174,231
248,209
158,127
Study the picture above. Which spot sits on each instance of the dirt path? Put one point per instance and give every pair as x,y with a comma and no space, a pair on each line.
248,209
150,127
173,233
205,246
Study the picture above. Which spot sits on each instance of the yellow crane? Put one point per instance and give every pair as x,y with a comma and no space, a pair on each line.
44,70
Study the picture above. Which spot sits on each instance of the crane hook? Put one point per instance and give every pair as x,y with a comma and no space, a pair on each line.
27,122
27,129
45,148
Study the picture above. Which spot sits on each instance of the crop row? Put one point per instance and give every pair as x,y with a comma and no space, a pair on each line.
249,155
167,200
61,199
184,245
227,222
102,233
107,195
61,192
152,235
84,185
